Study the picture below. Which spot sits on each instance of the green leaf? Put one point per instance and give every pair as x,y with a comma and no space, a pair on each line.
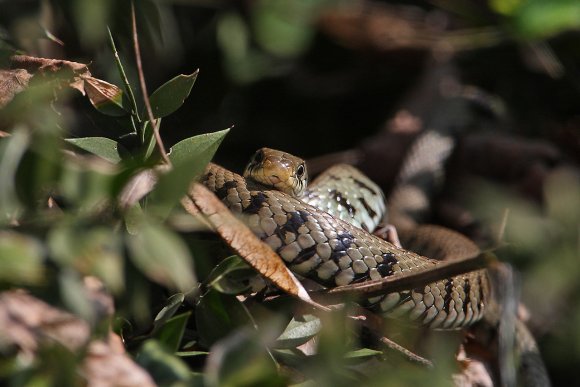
173,303
231,276
162,256
170,96
149,140
189,158
103,147
362,353
86,186
217,315
20,259
12,150
539,19
165,368
201,147
171,332
91,251
191,353
299,332
242,360
284,29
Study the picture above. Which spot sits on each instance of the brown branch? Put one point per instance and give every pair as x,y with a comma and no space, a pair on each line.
406,281
152,120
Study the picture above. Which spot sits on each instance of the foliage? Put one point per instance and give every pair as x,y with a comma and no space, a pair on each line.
179,294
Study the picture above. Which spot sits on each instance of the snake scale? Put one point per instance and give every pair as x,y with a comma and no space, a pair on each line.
331,251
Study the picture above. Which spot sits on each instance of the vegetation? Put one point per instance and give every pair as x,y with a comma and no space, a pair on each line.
87,230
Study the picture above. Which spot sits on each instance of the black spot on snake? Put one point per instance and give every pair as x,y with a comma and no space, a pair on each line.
360,277
295,220
337,254
448,290
365,204
345,239
390,258
363,185
337,197
256,202
222,192
385,268
467,300
304,255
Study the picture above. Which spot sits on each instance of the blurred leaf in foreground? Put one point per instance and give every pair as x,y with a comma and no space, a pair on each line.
21,259
242,360
162,256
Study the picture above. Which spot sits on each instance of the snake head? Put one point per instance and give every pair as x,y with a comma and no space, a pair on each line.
279,170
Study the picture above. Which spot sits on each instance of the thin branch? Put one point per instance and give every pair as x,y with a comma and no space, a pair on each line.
406,281
152,120
375,324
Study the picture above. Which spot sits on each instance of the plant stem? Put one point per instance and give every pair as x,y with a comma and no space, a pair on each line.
154,122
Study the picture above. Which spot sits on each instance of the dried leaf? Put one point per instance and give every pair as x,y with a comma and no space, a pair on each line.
239,237
105,366
29,324
12,82
104,96
46,66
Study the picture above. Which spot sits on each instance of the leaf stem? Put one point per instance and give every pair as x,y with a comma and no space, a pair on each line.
121,69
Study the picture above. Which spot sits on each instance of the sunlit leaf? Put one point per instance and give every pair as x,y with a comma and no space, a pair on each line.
170,96
189,158
362,353
299,332
103,147
173,303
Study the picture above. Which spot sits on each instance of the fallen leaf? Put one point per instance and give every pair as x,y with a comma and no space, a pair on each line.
12,82
239,237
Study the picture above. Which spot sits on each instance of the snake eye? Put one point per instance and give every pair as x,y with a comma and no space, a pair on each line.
300,170
259,156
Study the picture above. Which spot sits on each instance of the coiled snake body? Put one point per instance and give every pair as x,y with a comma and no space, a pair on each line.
323,246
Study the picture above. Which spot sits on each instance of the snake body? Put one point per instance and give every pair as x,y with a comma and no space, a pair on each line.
333,252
